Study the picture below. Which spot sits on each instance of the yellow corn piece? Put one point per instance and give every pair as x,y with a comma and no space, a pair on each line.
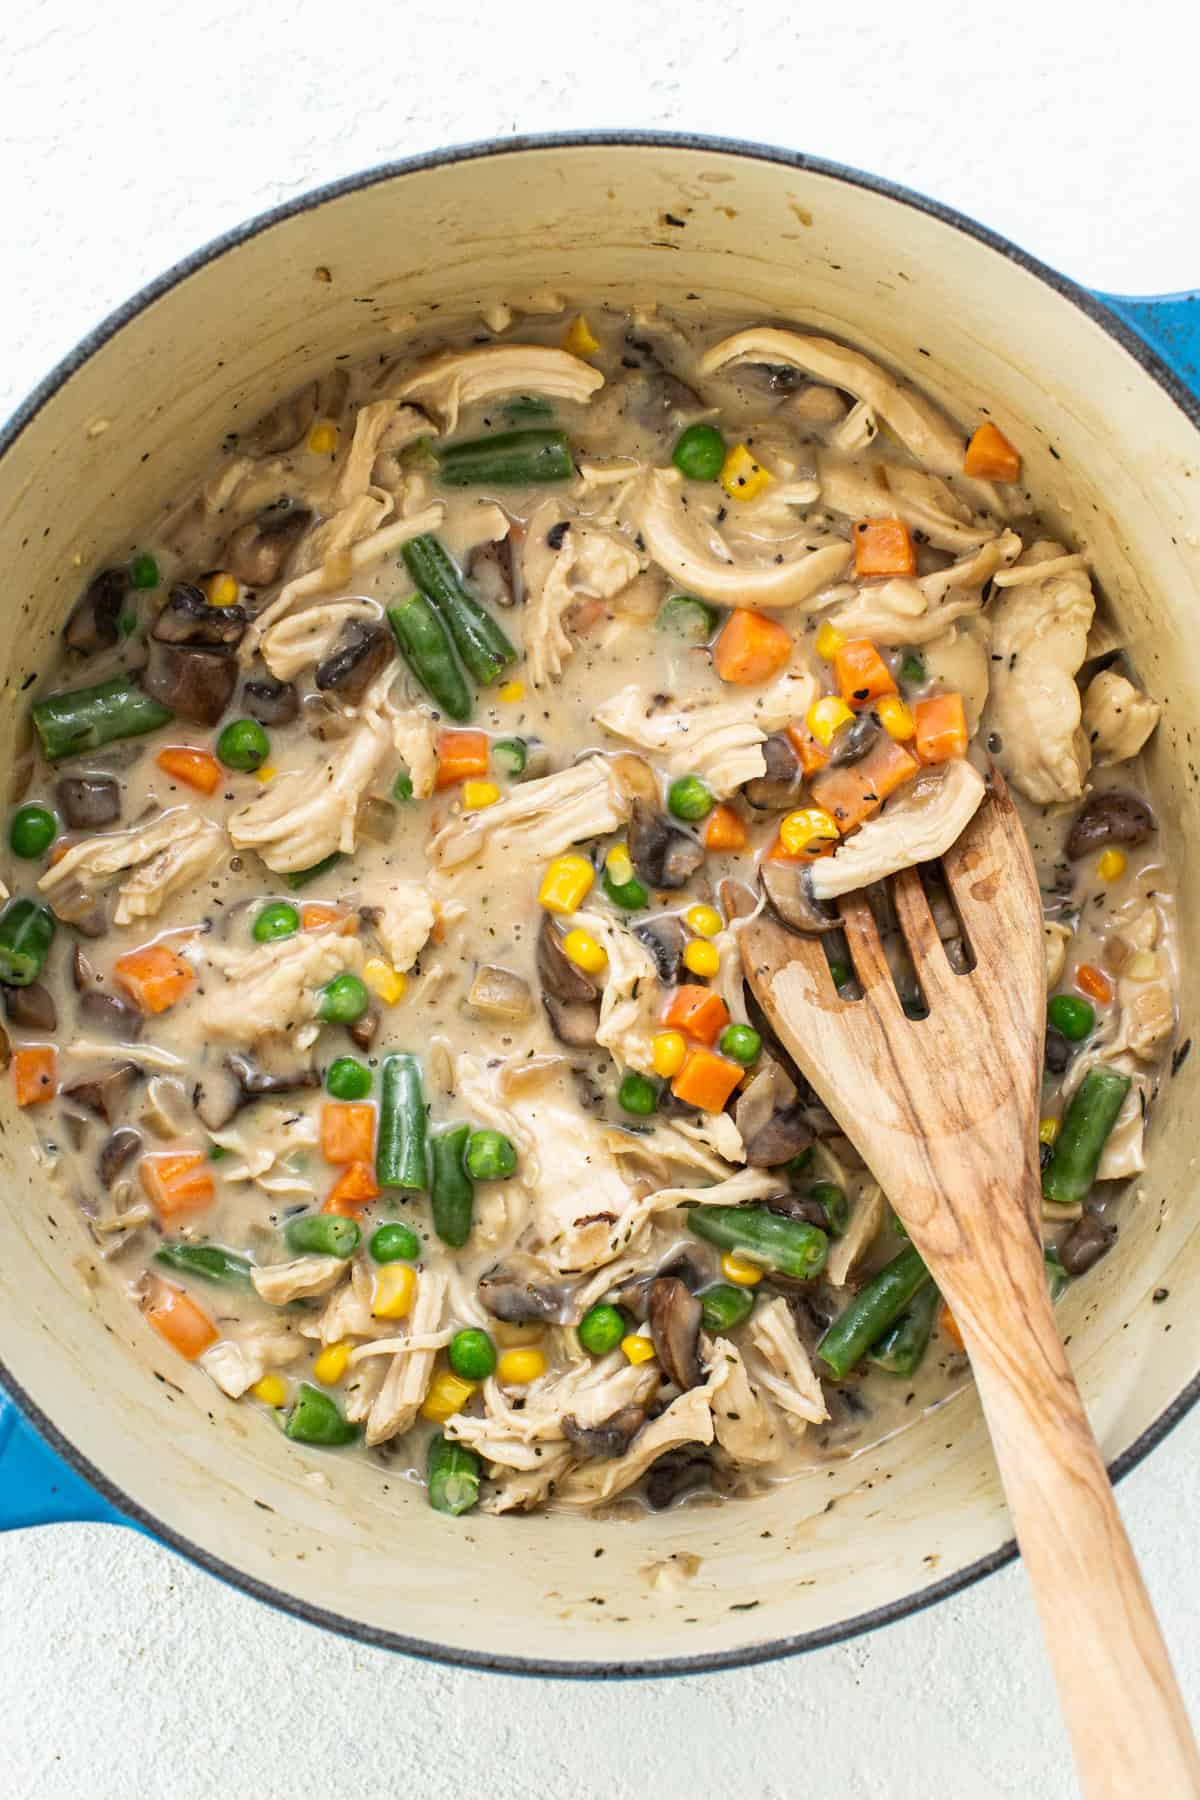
825,716
448,1394
517,1367
829,641
267,773
271,1390
668,1053
1110,864
619,864
566,883
807,829
701,958
511,692
739,1270
221,589
512,1336
478,794
705,921
323,438
895,717
388,984
580,340
395,1291
1048,1131
742,477
584,952
330,1366
637,1349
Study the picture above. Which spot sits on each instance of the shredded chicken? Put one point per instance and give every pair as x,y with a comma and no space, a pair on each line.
688,1420
781,1366
746,1425
631,1001
1117,717
565,560
175,849
410,1370
308,637
447,383
1055,937
916,825
590,1391
718,740
236,1363
1039,637
298,1280
407,917
271,989
867,1213
538,819
890,490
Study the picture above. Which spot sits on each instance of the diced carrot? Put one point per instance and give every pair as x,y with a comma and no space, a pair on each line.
706,1080
779,852
177,1318
991,457
461,754
58,851
347,1133
862,674
195,768
316,917
723,830
941,728
153,977
35,1073
883,547
177,1182
751,648
812,756
352,1189
859,789
949,1325
698,1011
1094,983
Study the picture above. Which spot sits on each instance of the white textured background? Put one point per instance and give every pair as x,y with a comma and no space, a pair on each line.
129,134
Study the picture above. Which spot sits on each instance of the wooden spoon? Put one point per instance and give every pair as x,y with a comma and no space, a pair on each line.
944,1112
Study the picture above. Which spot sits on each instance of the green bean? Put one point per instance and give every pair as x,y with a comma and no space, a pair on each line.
507,459
209,1261
453,1472
723,1306
788,1245
833,1203
426,647
872,1312
301,877
316,1419
480,642
902,1347
322,1234
26,934
451,1190
88,717
1090,1116
400,1155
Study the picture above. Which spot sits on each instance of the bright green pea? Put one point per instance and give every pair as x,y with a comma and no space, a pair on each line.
33,830
402,787
741,1042
912,669
1075,1018
840,972
637,1095
243,745
471,1354
699,452
343,1000
689,799
143,571
278,920
395,1243
490,1156
348,1079
601,1329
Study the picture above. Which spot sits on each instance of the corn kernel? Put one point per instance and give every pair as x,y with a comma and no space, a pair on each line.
323,438
221,589
668,1053
566,883
1110,864
705,921
825,716
517,1367
267,773
583,950
619,864
271,1390
511,692
740,1270
895,717
1048,1131
395,1291
742,477
513,1335
386,983
638,1349
330,1366
701,958
448,1394
580,340
478,794
808,828
829,641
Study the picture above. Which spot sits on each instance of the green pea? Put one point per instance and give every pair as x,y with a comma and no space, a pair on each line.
912,669
395,1243
348,1079
402,787
490,1156
33,830
472,1354
840,972
322,1234
343,1000
243,745
602,1328
278,920
688,618
688,798
699,452
1075,1018
741,1042
629,895
637,1095
833,1203
143,571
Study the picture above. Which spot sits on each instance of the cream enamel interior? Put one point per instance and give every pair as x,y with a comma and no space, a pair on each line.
147,411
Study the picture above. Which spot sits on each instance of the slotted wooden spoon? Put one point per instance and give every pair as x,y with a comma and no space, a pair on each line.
944,1111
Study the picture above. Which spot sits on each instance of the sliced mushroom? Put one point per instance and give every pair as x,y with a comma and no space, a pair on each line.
1085,1244
787,887
661,399
118,1149
362,652
785,1134
271,702
676,1473
801,1207
365,1030
854,739
573,1022
259,1084
495,572
779,788
674,1317
83,975
93,622
221,1093
510,1295
106,1093
611,1437
1114,816
189,618
285,424
561,979
738,899
662,856
666,939
197,685
31,1008
769,1090
88,802
115,1018
499,994
256,552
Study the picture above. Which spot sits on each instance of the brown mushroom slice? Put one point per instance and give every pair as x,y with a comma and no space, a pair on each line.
675,1474
105,1094
118,1149
852,741
114,1018
365,1030
31,1008
88,802
83,976
560,977
785,1134
662,856
610,1437
738,899
787,887
779,788
1113,816
674,1318
666,940
258,550
514,1297
259,1084
573,1022
1085,1244
93,622
769,1090
190,618
499,994
494,572
800,1207
362,652
197,685
271,702
283,427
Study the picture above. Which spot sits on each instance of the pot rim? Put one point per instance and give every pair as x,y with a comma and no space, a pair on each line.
93,341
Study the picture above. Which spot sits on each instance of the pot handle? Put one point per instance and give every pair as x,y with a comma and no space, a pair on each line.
1170,324
36,1486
